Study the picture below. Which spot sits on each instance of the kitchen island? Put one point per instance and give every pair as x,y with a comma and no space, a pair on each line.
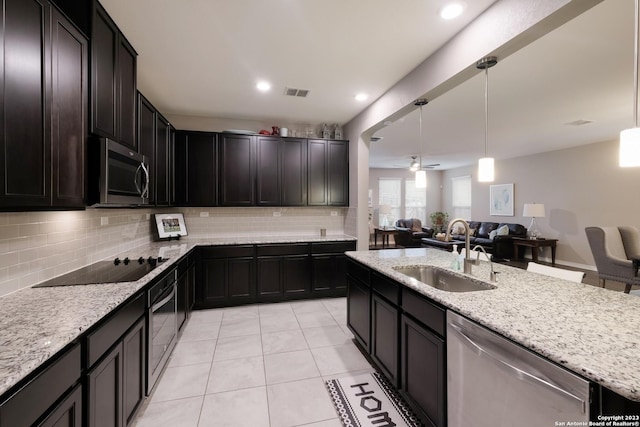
590,331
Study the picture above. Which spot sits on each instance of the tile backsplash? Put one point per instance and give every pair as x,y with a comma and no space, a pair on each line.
36,246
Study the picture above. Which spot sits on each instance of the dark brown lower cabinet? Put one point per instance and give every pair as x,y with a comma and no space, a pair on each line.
226,276
282,271
105,391
423,371
384,336
68,413
329,267
186,289
117,383
359,311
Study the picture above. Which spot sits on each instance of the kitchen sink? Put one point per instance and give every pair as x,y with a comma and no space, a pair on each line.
443,280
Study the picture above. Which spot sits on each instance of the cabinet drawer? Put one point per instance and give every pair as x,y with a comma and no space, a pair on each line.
100,340
33,400
332,247
386,287
227,251
358,271
291,249
426,312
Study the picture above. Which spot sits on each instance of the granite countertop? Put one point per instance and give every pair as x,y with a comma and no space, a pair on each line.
36,323
591,331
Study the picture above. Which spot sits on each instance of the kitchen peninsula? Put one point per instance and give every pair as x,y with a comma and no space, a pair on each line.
588,330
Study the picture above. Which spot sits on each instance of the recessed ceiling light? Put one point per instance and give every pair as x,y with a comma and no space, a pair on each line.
263,86
451,10
361,97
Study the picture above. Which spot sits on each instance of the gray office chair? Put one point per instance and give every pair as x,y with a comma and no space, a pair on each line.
613,250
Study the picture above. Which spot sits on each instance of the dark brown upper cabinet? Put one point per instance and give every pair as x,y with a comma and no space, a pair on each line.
237,162
281,171
153,142
328,175
196,168
113,81
43,109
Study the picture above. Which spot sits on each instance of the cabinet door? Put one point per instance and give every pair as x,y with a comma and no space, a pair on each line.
237,170
358,311
294,172
268,171
296,280
182,297
68,413
147,139
338,173
240,279
340,271
134,369
323,274
269,277
69,76
126,93
422,355
317,172
25,147
196,169
384,336
162,161
213,280
106,391
104,52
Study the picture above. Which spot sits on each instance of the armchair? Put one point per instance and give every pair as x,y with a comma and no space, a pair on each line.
614,249
410,233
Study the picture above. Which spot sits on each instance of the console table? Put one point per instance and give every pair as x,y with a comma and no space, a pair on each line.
385,232
534,244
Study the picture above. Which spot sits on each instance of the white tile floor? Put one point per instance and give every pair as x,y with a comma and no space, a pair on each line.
257,365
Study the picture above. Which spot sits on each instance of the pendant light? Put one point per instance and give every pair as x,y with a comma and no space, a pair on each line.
421,174
630,138
485,164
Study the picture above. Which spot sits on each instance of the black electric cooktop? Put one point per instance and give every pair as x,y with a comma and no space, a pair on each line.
118,270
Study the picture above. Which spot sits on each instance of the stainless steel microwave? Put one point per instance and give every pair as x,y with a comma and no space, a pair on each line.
118,176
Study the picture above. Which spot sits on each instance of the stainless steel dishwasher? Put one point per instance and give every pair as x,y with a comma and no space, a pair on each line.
494,382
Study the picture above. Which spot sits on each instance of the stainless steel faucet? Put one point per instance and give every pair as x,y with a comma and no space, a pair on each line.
492,275
467,232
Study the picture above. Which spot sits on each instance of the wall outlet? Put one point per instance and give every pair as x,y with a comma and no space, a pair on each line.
204,214
334,213
277,214
104,220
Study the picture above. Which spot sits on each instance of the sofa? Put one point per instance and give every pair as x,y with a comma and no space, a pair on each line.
410,233
485,234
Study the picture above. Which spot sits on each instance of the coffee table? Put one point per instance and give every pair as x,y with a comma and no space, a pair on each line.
385,232
534,244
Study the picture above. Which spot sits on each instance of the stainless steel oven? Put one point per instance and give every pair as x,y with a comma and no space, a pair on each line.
163,326
117,175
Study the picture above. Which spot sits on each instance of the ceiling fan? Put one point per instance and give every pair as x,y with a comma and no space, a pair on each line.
415,165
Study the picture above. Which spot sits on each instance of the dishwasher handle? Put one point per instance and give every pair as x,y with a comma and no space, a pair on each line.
461,331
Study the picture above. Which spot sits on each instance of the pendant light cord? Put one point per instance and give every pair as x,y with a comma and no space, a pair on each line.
486,112
635,66
421,137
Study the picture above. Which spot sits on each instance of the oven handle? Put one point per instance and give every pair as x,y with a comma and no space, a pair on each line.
163,301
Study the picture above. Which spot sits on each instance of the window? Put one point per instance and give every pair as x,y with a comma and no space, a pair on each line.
461,197
389,189
415,201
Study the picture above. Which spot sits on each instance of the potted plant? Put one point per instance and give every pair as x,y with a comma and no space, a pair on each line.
439,220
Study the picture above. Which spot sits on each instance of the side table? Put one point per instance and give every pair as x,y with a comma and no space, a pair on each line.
385,232
534,244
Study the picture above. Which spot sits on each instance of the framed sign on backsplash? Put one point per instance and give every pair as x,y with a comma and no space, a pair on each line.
501,200
170,226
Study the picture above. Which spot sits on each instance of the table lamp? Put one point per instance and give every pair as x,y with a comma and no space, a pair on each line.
533,211
385,210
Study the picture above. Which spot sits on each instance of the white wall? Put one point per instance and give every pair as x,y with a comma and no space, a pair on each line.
579,187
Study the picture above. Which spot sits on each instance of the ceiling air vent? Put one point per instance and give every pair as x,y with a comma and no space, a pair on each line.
301,93
376,138
579,122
